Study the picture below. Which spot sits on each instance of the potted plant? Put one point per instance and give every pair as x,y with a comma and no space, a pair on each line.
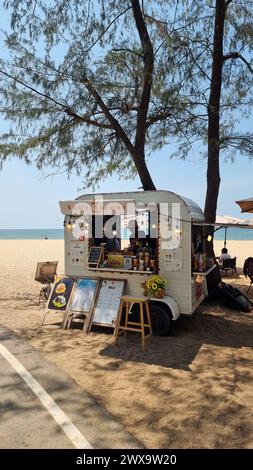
155,287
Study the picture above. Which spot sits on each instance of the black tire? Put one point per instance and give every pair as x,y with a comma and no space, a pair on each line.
161,319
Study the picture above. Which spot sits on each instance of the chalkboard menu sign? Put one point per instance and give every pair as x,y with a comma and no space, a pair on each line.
60,294
108,302
95,256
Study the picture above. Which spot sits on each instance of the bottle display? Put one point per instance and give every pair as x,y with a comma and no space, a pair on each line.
201,263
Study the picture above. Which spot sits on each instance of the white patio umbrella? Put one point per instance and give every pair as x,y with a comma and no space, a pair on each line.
246,205
227,221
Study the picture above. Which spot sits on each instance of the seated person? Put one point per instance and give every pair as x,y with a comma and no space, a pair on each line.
224,255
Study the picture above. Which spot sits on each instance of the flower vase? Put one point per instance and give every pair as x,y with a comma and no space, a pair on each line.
160,293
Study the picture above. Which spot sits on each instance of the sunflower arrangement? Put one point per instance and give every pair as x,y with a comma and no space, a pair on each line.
155,286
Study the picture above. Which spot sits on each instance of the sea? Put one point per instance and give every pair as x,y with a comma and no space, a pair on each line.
32,234
234,234
58,234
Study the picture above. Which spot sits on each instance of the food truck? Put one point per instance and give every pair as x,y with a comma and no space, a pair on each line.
134,236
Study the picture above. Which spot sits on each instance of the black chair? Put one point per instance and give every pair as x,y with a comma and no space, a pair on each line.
229,265
248,271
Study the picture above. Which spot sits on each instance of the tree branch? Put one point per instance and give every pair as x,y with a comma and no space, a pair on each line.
31,88
128,50
106,29
152,119
227,3
63,107
87,120
135,152
100,36
237,55
114,123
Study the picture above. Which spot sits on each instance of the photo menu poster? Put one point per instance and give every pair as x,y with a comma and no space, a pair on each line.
60,294
84,295
107,307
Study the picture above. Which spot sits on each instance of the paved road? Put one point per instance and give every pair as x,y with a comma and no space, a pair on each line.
28,419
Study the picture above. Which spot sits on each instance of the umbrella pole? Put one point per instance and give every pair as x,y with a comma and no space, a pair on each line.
225,241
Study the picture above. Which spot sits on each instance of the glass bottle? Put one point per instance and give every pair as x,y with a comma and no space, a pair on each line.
201,264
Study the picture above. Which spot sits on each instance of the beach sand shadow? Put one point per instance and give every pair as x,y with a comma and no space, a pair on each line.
189,335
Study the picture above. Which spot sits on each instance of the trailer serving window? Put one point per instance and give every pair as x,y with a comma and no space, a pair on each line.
201,263
126,242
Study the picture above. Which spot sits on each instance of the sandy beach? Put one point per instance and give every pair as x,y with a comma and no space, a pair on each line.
190,390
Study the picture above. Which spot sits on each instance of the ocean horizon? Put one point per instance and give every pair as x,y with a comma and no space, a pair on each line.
58,234
32,234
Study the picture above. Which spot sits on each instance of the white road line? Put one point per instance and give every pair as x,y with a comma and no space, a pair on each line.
59,416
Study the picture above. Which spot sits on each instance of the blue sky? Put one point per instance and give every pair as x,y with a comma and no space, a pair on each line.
30,201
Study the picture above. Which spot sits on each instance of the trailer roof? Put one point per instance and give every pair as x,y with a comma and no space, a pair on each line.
195,212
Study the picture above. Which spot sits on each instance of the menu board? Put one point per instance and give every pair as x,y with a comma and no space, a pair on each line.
108,302
60,294
173,259
84,296
95,255
77,253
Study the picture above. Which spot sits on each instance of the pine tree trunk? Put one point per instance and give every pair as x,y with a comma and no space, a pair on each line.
148,68
213,165
143,172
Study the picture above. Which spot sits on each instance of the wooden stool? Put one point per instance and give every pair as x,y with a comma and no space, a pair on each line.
126,301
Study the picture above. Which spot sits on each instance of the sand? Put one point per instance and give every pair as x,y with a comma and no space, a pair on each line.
190,390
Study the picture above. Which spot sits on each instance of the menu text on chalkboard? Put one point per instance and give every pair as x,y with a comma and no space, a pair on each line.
95,255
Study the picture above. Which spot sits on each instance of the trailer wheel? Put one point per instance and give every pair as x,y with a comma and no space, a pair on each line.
161,319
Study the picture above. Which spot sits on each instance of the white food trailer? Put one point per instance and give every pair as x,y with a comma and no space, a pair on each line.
177,226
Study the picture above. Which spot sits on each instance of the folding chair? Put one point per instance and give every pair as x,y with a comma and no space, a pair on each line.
229,265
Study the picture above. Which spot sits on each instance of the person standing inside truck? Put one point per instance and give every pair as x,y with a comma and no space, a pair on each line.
137,237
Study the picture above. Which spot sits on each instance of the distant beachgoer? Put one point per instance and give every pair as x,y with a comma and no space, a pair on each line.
224,255
46,238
